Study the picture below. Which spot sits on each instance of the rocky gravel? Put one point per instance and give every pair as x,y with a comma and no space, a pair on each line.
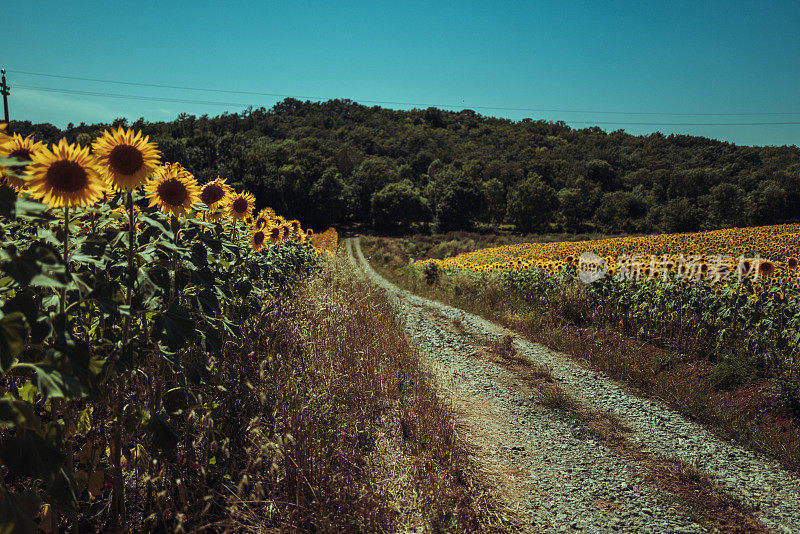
576,483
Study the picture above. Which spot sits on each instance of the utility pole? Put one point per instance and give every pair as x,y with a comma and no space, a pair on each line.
4,90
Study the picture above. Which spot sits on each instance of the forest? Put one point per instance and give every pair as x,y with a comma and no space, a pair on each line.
344,164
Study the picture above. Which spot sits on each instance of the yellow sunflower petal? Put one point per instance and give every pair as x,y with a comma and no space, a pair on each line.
258,240
173,190
215,193
126,157
67,175
22,148
240,205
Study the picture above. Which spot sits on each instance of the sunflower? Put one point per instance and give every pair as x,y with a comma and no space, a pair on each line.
66,176
22,149
792,263
240,205
264,217
215,193
173,189
258,240
126,157
275,234
766,268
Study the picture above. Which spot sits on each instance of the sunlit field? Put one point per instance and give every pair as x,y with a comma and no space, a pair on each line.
125,287
737,289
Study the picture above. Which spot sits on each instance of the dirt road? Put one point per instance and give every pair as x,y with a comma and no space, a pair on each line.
571,450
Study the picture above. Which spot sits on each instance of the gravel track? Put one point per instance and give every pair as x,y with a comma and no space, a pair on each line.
576,483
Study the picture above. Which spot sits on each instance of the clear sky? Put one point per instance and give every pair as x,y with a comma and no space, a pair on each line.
695,57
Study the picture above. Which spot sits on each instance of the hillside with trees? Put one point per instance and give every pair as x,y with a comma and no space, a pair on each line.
338,163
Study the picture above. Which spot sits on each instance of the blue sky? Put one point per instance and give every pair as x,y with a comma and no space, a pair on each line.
676,57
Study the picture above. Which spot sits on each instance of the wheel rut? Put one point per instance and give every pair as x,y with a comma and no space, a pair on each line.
573,451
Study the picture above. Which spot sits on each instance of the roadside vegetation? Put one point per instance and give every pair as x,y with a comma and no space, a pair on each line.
171,360
669,342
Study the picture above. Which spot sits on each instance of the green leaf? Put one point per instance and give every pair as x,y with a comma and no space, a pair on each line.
243,287
30,455
199,256
85,421
8,199
174,328
13,334
17,413
28,392
206,303
162,435
17,512
211,342
61,490
26,301
7,161
69,369
154,223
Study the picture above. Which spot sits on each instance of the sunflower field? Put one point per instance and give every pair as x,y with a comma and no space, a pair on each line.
123,285
730,295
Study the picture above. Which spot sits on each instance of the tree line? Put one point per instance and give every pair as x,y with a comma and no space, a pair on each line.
338,163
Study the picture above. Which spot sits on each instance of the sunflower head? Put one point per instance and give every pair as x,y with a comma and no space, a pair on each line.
766,268
22,149
240,205
215,193
274,234
258,240
264,218
173,189
67,175
792,263
126,157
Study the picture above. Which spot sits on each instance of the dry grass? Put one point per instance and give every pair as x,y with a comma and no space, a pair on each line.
325,422
392,462
555,398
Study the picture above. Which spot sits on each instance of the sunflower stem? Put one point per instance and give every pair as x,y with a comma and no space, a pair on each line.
118,510
175,225
131,239
63,306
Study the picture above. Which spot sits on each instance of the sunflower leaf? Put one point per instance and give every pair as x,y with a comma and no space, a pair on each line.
17,511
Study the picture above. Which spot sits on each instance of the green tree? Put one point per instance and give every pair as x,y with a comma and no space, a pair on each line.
370,176
495,193
601,172
768,203
680,215
326,195
532,204
727,205
577,204
621,211
459,204
397,205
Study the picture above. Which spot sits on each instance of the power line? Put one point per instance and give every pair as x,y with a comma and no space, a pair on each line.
414,104
131,97
684,123
214,103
